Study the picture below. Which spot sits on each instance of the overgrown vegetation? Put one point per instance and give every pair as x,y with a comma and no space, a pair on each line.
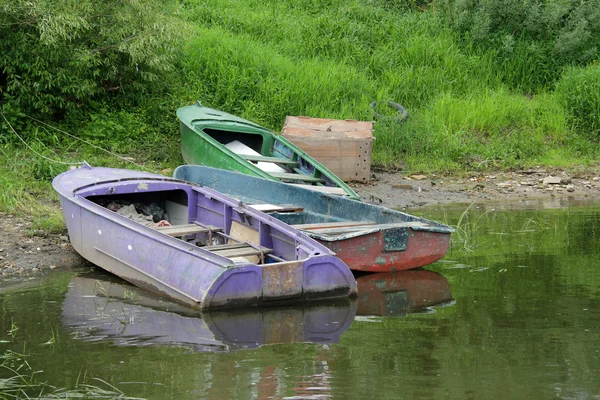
530,40
60,55
488,85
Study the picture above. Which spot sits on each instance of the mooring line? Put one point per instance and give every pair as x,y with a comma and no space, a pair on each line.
31,148
90,144
74,137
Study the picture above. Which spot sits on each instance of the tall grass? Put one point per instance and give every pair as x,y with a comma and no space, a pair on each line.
579,92
329,58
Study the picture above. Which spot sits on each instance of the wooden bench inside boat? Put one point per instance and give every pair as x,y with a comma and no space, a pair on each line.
186,229
267,208
332,229
237,250
288,176
275,160
338,191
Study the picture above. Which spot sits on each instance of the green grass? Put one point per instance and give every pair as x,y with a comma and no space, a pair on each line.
27,177
264,60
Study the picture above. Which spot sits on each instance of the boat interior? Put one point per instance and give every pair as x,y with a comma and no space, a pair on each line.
252,140
272,156
199,216
333,225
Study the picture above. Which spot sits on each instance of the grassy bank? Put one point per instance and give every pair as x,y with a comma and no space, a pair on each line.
476,101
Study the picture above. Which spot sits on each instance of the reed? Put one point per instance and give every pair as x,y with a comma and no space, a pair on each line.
22,383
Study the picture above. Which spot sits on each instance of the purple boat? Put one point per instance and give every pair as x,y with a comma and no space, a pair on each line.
191,244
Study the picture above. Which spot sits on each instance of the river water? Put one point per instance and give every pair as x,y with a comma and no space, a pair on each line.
513,312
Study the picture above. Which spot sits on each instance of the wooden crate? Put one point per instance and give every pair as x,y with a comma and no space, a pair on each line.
343,146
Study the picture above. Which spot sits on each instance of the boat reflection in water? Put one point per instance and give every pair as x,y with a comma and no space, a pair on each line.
395,294
99,307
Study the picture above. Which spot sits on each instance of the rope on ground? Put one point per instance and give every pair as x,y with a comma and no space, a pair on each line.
31,148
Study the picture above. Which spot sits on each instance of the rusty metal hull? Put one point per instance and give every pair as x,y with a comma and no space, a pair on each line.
401,293
369,252
396,241
182,270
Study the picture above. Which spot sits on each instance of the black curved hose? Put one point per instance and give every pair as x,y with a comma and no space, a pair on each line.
402,113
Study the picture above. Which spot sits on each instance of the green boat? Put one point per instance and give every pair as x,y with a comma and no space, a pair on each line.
217,139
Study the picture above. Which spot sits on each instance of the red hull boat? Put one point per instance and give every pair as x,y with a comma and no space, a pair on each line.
366,237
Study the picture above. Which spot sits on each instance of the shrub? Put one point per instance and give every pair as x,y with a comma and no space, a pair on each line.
531,39
579,91
58,55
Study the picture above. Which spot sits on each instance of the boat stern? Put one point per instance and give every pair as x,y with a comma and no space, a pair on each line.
316,278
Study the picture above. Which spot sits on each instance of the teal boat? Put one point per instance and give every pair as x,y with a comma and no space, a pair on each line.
364,236
217,139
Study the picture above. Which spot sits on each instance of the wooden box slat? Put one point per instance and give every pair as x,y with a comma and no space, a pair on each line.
343,146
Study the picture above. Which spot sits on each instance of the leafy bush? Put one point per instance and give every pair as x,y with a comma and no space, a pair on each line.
579,92
58,55
531,38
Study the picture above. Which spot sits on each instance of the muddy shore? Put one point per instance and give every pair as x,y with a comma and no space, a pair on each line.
406,192
25,254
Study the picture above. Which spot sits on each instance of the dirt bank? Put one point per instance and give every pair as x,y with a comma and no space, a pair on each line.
406,192
25,254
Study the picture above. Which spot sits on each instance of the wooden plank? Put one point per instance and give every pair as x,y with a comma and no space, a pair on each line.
187,229
244,234
342,224
227,246
295,177
323,189
334,231
242,252
277,207
276,160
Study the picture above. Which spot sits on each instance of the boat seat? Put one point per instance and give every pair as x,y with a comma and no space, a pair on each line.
327,225
237,250
186,229
348,229
275,160
287,176
324,189
276,207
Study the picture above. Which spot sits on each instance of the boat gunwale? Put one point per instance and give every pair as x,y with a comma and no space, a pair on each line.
230,118
370,230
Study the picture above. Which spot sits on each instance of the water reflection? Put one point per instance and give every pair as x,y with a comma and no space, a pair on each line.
98,307
394,294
